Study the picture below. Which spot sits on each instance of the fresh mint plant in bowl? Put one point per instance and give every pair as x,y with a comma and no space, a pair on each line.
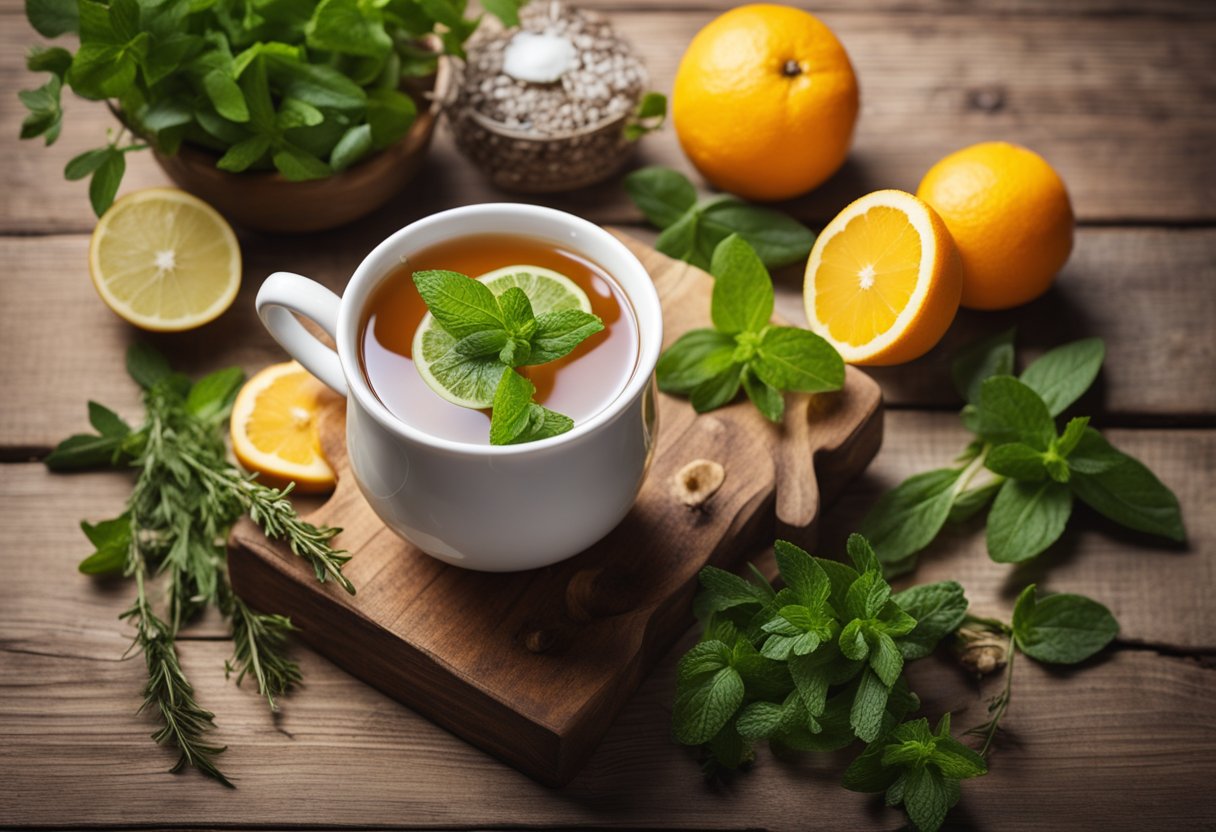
286,115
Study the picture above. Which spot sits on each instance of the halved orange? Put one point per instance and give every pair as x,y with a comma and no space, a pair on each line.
274,428
883,280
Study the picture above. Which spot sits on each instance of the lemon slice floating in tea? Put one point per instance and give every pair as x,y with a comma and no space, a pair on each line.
472,383
165,260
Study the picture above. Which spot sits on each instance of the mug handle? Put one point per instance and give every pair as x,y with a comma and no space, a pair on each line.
284,293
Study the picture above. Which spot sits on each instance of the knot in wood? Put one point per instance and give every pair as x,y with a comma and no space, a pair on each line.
539,641
697,481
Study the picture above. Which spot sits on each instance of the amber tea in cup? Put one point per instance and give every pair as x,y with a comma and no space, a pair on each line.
578,385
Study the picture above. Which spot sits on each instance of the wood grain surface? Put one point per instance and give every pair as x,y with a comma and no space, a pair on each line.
1118,94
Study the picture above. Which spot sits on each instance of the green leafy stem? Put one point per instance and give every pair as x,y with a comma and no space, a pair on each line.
743,349
1020,464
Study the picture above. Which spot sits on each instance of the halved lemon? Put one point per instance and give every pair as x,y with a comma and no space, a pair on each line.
472,383
883,281
165,260
274,428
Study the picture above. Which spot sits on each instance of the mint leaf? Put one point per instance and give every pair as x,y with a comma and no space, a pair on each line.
86,163
802,574
516,311
106,422
244,154
1017,461
53,59
724,590
111,540
146,366
1123,489
1061,629
862,553
483,343
1009,411
679,240
557,333
1062,375
45,117
346,27
354,145
777,238
1074,431
717,391
1026,518
979,361
798,360
661,194
84,450
543,423
390,114
743,291
106,178
211,397
460,304
512,411
706,706
867,773
908,517
298,165
886,660
694,359
927,798
938,608
505,10
52,18
767,399
225,95
869,705
1092,454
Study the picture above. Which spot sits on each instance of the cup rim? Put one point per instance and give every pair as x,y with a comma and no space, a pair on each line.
639,291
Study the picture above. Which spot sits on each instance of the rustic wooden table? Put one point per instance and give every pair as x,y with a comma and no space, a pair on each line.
1119,95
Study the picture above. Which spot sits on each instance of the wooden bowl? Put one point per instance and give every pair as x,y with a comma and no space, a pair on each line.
266,201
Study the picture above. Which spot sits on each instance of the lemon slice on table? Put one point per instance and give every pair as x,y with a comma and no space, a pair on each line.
274,428
472,383
165,260
883,280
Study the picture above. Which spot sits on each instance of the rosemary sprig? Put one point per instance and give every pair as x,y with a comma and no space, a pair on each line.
184,501
259,642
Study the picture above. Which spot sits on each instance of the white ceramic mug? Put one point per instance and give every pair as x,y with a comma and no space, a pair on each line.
492,508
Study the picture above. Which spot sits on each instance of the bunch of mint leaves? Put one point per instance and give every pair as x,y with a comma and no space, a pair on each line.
1060,629
304,87
494,335
1031,472
818,665
692,227
743,348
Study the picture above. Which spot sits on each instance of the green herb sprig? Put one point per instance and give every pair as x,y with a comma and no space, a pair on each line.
185,499
304,87
743,349
813,666
496,334
1019,463
1055,629
692,227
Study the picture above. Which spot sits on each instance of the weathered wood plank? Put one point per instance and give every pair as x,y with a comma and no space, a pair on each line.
1108,93
76,753
1146,291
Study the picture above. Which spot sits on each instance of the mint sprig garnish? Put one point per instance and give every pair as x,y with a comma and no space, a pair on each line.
1022,464
743,349
494,335
692,228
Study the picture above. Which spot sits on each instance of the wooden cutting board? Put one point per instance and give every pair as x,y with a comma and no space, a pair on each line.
533,666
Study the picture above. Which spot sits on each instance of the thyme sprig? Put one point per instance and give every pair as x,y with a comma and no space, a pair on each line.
184,501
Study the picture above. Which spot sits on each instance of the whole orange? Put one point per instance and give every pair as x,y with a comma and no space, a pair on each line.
1011,219
764,102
